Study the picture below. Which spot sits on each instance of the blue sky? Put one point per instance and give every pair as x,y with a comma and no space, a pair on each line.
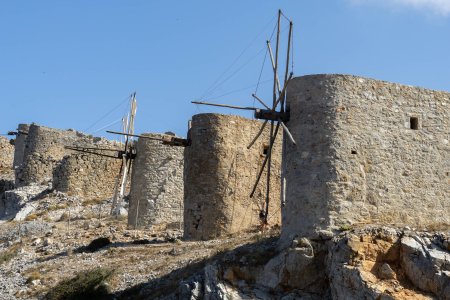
66,64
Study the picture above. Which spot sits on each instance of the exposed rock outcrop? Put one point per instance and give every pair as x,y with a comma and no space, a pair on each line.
18,203
369,263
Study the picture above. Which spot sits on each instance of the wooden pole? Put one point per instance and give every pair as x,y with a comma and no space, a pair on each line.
260,101
265,162
273,65
134,135
258,134
288,133
272,135
275,70
287,66
283,92
90,152
223,105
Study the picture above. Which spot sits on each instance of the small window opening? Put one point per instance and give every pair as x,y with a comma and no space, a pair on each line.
414,123
354,152
265,149
447,174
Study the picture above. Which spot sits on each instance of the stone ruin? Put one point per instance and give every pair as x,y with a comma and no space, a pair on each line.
346,129
219,174
45,160
6,161
19,144
156,194
368,152
7,155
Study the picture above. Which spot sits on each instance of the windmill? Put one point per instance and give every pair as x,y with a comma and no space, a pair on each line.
275,115
126,155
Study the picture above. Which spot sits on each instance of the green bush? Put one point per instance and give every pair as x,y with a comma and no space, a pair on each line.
9,254
85,285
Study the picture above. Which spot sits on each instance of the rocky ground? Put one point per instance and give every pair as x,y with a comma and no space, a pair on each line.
56,247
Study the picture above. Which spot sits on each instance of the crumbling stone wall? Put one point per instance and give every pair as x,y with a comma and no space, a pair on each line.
46,160
367,151
87,175
6,156
220,172
156,194
19,144
6,163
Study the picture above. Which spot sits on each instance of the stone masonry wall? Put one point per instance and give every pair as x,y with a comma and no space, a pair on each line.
46,160
6,156
156,195
87,175
219,175
358,160
19,144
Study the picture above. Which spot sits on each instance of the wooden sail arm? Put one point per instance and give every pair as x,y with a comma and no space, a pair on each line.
223,105
167,140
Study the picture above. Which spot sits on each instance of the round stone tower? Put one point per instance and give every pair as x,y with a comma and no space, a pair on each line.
156,194
219,175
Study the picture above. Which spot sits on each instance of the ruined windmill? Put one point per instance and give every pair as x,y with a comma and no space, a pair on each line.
276,114
126,155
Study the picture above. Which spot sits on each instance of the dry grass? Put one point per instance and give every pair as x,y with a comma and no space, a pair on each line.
31,217
35,275
91,202
85,285
9,254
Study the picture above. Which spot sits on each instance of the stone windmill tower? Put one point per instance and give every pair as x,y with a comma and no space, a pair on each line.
274,116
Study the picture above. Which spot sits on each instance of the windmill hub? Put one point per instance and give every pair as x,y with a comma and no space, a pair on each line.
267,114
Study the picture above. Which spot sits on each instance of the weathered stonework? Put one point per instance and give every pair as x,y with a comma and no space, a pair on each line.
7,156
219,174
19,144
156,194
6,163
46,160
87,175
367,151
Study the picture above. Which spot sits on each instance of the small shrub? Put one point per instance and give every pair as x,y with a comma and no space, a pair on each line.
345,227
31,217
62,206
64,216
85,285
9,254
92,202
34,276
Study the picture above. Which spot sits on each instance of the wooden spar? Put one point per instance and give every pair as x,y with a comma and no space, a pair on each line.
264,162
275,69
134,135
287,67
288,133
172,141
258,134
96,153
15,133
269,168
273,65
126,160
223,105
91,148
272,134
284,90
260,101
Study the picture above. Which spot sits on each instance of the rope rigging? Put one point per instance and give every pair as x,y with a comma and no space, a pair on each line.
108,113
215,84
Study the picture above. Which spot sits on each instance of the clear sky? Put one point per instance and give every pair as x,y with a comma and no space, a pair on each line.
66,64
